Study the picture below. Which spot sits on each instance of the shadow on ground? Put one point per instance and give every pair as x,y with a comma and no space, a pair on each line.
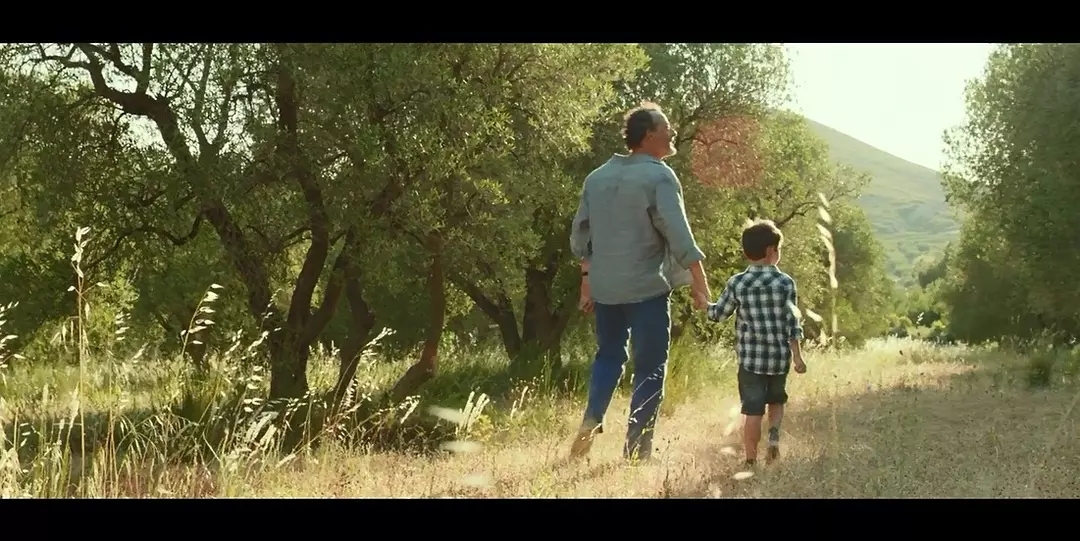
983,433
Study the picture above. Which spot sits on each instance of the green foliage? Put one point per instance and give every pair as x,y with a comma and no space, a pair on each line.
795,169
1012,169
863,300
312,195
317,184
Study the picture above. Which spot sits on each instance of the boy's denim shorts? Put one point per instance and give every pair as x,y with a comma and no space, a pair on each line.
758,390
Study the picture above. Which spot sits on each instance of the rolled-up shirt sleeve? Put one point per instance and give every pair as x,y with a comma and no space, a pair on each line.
580,238
670,220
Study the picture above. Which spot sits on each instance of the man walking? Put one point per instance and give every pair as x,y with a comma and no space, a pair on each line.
635,245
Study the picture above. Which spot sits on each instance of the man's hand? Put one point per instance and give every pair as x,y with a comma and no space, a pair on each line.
699,292
699,288
585,302
701,300
800,366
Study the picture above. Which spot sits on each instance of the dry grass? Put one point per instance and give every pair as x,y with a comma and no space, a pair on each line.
928,422
899,418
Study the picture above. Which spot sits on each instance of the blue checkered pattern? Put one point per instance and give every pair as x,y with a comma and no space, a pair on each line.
763,298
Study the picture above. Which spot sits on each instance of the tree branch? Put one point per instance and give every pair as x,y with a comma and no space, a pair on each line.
800,210
334,286
242,256
143,80
288,149
159,232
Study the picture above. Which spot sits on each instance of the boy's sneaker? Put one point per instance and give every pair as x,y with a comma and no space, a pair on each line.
774,445
583,442
773,454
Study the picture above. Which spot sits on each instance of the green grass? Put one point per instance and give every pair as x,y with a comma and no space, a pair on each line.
112,424
896,418
905,202
154,427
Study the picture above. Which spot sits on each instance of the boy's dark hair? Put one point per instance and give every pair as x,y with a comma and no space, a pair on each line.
759,235
640,121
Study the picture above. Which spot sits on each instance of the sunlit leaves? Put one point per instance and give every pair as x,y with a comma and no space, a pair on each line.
1013,167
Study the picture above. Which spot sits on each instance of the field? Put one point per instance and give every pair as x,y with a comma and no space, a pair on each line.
898,418
905,202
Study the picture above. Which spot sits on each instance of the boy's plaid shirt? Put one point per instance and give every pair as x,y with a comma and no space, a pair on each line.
763,297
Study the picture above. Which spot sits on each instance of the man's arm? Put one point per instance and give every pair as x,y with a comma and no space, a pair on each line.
580,236
581,246
670,220
725,306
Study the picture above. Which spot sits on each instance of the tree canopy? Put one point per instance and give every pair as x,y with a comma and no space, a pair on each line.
332,190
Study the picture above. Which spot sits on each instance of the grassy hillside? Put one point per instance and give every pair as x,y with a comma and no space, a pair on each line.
904,201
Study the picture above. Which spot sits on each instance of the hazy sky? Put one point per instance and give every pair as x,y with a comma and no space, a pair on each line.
899,97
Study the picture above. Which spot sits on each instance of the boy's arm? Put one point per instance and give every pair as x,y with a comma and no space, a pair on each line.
794,326
796,357
725,306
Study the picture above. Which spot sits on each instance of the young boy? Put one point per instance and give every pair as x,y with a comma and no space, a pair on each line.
767,334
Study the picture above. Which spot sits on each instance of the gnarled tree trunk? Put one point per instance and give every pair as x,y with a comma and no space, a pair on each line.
424,369
363,321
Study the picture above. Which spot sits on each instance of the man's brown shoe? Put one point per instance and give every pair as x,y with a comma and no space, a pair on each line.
583,442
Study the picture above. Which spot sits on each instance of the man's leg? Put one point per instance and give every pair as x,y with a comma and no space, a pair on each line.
776,397
612,335
650,325
752,391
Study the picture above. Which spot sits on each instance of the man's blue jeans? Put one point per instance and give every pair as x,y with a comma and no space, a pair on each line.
649,322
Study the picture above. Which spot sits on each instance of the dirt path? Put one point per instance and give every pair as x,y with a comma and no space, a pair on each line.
923,422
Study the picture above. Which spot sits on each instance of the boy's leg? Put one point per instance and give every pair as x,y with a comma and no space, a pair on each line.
776,397
752,392
650,328
612,335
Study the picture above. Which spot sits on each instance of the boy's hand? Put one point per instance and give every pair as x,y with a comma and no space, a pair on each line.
800,366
